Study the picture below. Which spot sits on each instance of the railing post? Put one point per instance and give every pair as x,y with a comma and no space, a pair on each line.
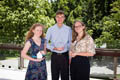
21,61
115,68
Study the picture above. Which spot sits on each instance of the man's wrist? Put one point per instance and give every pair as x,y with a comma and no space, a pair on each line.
54,48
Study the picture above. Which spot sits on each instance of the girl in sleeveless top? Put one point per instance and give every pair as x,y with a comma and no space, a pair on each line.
36,45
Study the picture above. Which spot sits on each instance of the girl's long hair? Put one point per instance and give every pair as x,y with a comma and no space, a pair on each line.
30,32
75,34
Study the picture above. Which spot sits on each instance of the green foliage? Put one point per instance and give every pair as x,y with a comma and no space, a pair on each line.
114,44
48,55
8,53
110,27
116,10
18,15
102,18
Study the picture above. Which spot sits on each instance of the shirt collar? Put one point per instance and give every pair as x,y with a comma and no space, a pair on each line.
59,27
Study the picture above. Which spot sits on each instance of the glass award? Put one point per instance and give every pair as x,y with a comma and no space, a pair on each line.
39,55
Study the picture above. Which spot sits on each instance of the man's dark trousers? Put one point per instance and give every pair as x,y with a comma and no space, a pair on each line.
60,66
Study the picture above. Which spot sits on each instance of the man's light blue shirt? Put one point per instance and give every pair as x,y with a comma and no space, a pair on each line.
59,37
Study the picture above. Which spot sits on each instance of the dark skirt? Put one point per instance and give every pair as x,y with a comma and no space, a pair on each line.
36,71
80,68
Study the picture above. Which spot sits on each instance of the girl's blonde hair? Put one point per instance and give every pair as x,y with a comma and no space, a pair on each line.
30,32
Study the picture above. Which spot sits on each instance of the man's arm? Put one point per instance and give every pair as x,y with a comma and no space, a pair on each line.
48,38
69,38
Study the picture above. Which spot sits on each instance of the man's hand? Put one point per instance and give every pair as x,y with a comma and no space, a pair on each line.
59,49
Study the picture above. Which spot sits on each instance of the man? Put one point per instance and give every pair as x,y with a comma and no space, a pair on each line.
59,37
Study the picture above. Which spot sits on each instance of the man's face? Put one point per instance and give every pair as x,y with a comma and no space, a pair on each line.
60,18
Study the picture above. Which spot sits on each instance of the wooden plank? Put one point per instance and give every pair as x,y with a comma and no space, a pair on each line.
107,52
10,46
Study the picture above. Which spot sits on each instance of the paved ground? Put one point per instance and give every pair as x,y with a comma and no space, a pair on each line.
13,73
9,74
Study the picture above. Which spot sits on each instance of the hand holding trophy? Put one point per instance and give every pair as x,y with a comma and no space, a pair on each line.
40,54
